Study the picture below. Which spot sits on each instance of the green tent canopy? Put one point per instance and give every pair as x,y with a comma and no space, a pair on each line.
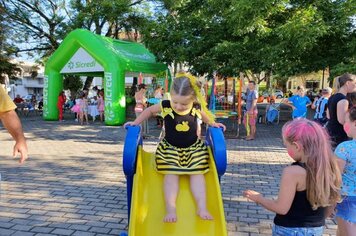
85,53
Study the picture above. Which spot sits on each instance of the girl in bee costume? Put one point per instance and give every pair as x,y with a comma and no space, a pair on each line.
181,152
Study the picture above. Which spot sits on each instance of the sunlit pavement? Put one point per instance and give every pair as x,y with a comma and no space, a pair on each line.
73,183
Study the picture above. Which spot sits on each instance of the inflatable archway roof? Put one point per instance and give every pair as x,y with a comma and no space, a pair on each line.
107,51
103,56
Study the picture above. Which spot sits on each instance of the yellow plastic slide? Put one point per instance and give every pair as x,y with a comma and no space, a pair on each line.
148,208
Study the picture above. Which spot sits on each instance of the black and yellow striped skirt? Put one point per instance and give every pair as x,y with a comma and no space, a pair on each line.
181,161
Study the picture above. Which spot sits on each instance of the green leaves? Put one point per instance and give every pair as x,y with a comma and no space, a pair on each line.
286,37
228,36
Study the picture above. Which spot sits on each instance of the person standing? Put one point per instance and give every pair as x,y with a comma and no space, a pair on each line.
12,123
309,188
159,95
83,108
76,108
321,105
101,105
299,103
141,103
60,103
346,154
250,116
338,106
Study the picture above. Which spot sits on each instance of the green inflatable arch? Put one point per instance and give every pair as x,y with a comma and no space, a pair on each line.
85,53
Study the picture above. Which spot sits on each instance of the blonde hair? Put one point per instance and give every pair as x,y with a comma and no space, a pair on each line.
323,174
185,84
341,80
301,89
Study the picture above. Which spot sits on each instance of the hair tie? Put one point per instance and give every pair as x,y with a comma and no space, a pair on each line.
198,94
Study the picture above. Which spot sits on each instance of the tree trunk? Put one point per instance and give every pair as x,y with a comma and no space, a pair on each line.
268,81
133,87
73,94
88,82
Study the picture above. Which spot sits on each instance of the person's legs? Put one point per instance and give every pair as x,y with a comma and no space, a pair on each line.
142,125
245,121
60,110
197,186
86,117
253,130
171,188
346,216
345,228
252,122
81,117
292,231
146,128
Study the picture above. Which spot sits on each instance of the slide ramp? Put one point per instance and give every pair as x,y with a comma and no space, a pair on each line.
148,207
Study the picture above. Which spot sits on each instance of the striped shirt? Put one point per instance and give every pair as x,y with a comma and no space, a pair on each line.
321,107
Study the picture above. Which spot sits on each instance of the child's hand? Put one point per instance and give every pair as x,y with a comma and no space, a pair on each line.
252,195
130,123
218,125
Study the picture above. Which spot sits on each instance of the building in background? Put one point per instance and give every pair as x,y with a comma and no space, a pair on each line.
312,82
29,81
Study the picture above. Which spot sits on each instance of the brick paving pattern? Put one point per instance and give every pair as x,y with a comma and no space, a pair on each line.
73,183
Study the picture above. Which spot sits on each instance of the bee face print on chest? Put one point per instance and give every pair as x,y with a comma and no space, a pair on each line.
183,127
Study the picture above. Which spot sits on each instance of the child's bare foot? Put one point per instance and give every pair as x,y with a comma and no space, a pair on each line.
204,214
171,217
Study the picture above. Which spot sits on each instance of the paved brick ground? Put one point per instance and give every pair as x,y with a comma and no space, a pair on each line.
73,183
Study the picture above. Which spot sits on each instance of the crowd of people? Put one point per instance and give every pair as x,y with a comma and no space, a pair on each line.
82,106
321,181
26,106
316,185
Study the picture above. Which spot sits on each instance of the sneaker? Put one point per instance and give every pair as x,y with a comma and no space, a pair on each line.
76,120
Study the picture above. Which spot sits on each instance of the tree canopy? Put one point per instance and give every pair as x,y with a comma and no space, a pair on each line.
288,37
283,37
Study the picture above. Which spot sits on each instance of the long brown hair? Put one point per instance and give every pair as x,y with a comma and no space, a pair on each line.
323,174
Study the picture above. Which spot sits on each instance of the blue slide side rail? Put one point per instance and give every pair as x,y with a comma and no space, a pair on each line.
132,141
215,139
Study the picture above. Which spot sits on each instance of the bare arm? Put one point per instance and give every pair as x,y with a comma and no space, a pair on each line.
288,103
12,123
288,187
341,110
146,114
313,106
